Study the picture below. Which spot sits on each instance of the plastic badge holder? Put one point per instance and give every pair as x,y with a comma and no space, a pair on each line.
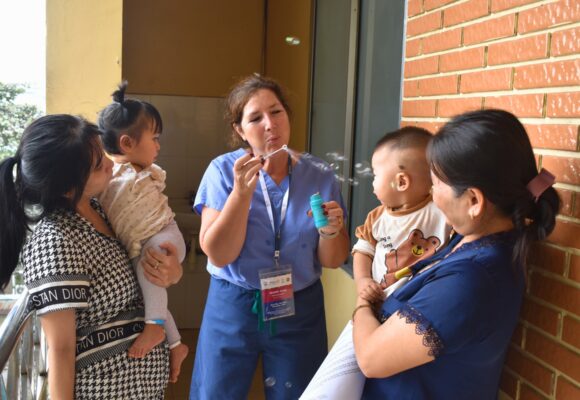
277,293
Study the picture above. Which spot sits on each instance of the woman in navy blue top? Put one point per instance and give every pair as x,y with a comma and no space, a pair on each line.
444,334
253,218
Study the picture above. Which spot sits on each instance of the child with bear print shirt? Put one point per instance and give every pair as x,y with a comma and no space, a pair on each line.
407,226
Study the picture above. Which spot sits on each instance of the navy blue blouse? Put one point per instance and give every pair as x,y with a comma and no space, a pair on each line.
466,306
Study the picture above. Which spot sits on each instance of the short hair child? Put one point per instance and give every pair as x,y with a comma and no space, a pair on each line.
139,211
407,226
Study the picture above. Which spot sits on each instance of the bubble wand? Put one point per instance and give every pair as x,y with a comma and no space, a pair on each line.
266,156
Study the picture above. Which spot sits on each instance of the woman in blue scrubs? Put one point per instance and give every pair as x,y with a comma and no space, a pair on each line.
444,334
255,223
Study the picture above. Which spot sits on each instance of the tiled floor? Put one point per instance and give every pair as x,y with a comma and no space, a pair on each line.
180,390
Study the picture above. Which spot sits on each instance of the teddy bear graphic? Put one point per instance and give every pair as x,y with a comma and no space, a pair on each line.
415,248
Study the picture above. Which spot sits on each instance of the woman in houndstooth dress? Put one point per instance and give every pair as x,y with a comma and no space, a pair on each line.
80,279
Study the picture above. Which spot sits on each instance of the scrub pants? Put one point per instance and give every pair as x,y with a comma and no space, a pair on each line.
230,343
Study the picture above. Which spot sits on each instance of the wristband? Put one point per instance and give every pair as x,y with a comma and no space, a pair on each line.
325,235
358,308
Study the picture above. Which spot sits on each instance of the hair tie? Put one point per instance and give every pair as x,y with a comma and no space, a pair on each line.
540,183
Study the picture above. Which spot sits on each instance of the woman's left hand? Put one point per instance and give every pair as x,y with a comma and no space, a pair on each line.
335,216
162,268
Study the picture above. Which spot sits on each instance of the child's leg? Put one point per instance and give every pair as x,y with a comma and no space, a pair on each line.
173,336
155,297
178,351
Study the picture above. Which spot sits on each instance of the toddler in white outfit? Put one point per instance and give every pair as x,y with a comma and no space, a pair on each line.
139,212
407,226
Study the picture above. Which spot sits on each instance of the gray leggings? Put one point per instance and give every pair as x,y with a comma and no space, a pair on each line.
155,297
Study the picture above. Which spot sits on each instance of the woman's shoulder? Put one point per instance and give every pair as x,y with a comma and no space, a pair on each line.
485,261
53,247
60,223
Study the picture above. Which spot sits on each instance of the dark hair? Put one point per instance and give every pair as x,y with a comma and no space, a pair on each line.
404,138
239,96
491,151
126,116
53,162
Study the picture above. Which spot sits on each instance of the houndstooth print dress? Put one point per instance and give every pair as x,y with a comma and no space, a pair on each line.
69,264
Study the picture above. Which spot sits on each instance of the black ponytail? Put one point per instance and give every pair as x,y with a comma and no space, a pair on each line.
536,223
53,162
126,117
119,94
14,223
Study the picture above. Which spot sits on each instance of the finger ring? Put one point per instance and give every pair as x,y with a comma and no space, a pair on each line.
157,264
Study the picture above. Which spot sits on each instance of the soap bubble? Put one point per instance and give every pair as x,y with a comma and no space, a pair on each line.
269,381
334,156
363,169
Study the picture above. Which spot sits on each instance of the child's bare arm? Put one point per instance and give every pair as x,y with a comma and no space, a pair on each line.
366,286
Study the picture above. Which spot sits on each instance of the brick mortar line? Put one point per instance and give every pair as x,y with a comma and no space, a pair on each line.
555,29
499,14
563,280
551,368
543,303
567,57
552,121
571,250
572,220
546,335
515,375
556,374
441,8
497,93
570,315
530,121
557,153
514,9
568,186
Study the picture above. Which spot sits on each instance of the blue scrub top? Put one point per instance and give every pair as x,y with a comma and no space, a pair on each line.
467,306
299,237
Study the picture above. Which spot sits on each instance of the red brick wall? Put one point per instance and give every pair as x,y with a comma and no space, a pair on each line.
522,56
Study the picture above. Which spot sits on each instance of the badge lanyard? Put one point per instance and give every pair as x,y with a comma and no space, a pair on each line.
276,297
270,209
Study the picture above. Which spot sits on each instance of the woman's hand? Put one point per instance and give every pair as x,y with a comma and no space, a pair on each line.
246,172
162,268
334,243
335,216
371,291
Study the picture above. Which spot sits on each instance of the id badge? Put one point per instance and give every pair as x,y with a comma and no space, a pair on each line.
277,292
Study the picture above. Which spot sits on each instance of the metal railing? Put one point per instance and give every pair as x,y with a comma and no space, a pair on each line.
22,354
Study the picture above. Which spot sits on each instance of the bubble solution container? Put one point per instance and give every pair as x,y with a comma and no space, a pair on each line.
320,220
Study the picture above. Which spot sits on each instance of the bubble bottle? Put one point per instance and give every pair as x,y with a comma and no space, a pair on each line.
320,220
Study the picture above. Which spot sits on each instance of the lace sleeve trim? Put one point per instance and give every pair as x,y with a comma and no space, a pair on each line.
423,327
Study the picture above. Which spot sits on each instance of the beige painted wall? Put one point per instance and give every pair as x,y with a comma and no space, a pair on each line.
339,301
194,48
83,55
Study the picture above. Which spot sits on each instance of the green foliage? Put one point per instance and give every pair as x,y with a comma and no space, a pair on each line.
13,118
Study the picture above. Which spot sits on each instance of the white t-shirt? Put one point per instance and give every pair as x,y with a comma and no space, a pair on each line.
395,240
135,204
